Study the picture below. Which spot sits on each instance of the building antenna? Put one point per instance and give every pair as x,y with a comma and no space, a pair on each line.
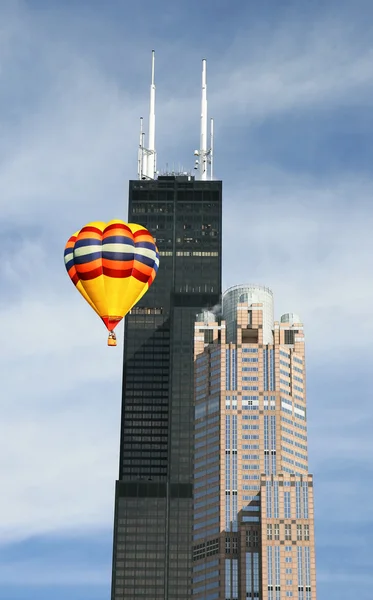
151,140
204,154
211,149
147,156
140,158
203,142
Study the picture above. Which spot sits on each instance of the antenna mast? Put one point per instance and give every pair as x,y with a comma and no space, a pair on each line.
204,154
147,156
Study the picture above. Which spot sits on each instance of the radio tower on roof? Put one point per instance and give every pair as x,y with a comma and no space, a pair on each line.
204,154
147,156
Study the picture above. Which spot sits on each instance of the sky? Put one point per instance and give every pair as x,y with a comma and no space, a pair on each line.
290,87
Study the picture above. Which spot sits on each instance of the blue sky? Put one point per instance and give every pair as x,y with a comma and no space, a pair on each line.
291,90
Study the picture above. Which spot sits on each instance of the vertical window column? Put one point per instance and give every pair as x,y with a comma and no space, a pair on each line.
269,499
275,498
227,472
227,370
269,572
298,500
273,444
234,474
234,579
287,506
256,574
265,369
266,446
307,564
305,499
228,584
277,572
300,573
234,369
272,379
248,575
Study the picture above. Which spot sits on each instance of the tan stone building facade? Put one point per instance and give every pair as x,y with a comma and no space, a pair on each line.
253,530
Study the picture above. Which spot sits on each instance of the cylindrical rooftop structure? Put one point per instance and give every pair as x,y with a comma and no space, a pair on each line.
250,294
206,317
290,318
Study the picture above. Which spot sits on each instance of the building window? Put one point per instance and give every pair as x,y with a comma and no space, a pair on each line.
269,499
277,532
272,383
269,532
305,500
275,498
287,509
287,532
298,500
299,533
227,545
289,336
306,533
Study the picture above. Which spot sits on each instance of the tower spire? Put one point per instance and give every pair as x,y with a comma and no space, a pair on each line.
151,137
204,153
147,156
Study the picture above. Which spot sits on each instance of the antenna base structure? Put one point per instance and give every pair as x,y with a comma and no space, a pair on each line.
204,155
147,156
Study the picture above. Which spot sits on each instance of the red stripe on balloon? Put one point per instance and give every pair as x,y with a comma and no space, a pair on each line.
90,274
140,276
111,322
118,226
117,273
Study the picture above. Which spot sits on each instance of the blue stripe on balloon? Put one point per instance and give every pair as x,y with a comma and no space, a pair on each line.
147,245
117,255
118,239
145,260
87,258
87,242
69,264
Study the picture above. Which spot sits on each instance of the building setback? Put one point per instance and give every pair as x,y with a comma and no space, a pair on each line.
253,521
152,552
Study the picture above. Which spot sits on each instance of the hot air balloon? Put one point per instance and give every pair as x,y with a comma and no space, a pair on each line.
112,265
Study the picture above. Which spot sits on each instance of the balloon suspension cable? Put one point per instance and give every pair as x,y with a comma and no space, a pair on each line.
112,339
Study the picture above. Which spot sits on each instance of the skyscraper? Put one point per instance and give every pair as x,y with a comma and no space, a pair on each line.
154,493
253,525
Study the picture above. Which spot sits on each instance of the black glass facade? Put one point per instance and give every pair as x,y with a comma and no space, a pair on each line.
154,493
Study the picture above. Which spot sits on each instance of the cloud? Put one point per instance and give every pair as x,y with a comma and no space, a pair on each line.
312,246
69,132
38,575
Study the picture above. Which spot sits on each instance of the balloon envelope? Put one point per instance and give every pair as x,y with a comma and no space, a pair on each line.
112,265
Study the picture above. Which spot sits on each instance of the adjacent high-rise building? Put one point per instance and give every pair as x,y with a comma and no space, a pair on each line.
253,525
152,554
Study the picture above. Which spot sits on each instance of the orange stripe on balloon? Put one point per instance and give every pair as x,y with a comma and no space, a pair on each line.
89,235
144,238
118,225
117,264
89,266
142,268
118,230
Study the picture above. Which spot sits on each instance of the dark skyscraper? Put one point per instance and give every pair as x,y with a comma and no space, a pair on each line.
153,522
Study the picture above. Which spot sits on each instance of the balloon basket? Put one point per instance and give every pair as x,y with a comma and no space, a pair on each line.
112,340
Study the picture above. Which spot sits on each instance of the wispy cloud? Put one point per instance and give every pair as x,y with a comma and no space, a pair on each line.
70,99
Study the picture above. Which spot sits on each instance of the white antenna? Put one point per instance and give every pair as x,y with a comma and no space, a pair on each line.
147,156
151,140
204,154
203,142
211,149
140,157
